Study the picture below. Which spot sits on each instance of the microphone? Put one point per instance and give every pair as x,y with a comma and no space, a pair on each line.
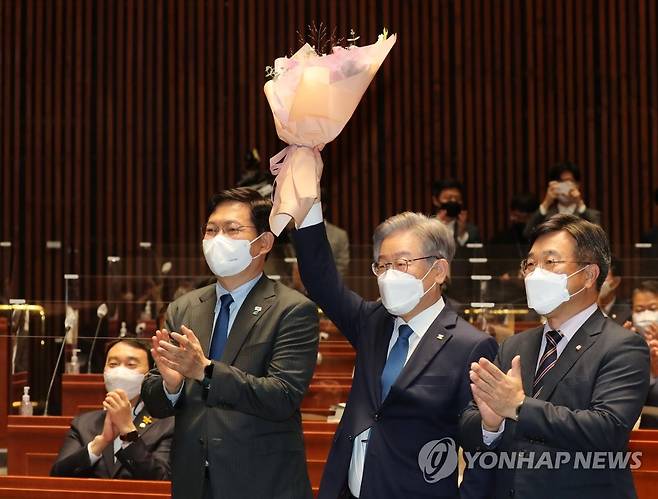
101,312
69,322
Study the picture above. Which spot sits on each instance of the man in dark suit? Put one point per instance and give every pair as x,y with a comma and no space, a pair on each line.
570,388
123,440
411,374
563,195
236,368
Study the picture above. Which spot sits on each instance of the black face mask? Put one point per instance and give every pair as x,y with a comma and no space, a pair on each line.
452,208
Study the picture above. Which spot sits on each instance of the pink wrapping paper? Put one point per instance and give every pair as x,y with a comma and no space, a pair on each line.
312,98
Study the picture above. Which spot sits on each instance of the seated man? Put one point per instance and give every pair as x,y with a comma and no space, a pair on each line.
563,195
122,440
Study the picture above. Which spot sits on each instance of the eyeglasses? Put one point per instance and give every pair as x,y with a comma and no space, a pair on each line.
401,264
528,265
231,230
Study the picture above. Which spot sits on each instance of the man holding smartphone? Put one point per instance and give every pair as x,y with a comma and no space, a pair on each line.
563,195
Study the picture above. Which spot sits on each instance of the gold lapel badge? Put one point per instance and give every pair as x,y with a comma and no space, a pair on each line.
145,420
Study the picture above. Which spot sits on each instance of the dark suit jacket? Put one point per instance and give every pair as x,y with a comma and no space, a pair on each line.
621,312
537,218
145,459
248,428
423,404
590,401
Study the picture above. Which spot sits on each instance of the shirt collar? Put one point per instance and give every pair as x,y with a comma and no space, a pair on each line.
571,326
422,322
138,408
239,293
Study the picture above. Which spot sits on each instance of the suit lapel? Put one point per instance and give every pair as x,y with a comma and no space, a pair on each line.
258,301
379,352
438,334
201,316
529,353
584,338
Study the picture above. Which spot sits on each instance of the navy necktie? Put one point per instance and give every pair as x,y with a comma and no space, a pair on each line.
548,360
220,334
396,359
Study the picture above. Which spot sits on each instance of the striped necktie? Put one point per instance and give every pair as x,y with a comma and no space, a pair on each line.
548,360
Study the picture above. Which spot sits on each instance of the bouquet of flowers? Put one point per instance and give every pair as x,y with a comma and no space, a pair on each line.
312,97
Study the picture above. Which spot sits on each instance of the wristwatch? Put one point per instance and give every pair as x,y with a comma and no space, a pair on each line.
131,436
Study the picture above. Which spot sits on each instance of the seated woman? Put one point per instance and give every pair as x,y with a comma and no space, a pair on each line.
122,440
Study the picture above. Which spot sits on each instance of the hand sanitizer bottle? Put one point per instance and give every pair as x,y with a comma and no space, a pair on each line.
73,367
26,405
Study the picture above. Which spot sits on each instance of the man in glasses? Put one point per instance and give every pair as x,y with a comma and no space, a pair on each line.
234,364
398,434
558,394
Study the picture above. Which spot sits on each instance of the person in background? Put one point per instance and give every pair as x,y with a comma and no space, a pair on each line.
513,237
609,303
122,440
450,209
645,322
564,196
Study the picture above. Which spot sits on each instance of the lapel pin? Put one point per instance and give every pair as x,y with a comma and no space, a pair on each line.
257,310
439,337
578,347
142,425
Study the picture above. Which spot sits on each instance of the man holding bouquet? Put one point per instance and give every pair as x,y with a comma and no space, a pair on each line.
413,355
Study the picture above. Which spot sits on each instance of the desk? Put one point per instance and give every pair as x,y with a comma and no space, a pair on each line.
39,487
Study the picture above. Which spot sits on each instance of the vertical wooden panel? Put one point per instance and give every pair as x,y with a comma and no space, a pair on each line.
119,118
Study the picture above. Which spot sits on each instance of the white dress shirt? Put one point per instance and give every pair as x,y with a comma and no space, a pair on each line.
568,329
419,324
239,295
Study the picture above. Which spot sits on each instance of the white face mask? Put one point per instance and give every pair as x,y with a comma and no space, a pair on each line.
129,380
227,257
547,290
400,291
642,319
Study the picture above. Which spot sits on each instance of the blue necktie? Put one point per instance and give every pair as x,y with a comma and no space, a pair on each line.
548,360
396,359
220,334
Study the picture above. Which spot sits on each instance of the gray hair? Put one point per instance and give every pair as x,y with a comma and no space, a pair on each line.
435,237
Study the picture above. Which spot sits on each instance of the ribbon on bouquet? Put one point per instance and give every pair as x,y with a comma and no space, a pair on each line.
298,170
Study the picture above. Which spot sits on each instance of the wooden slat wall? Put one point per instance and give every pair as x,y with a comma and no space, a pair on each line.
118,119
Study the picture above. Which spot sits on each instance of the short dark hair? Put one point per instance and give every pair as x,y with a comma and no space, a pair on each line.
260,207
558,169
438,186
649,286
592,243
133,342
525,202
